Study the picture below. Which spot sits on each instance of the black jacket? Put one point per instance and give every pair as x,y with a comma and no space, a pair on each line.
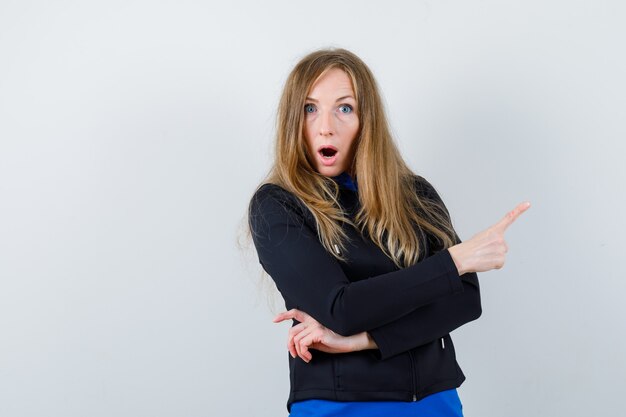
409,312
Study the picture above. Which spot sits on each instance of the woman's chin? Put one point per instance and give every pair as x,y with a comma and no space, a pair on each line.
330,171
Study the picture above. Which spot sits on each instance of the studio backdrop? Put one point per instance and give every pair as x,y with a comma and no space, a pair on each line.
133,134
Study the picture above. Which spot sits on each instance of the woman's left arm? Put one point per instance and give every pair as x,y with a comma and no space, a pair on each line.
430,322
421,326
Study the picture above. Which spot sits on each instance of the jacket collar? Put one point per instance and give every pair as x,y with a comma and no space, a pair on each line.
345,180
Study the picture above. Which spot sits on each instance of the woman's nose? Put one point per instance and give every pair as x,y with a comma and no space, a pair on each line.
327,126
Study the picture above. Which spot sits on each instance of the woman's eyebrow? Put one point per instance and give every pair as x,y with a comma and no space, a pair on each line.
339,99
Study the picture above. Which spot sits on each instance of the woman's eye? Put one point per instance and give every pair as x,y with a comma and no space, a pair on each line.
309,108
345,108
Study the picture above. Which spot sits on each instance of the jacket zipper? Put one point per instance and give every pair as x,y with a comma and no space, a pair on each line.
413,384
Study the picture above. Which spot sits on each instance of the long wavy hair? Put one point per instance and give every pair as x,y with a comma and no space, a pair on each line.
391,211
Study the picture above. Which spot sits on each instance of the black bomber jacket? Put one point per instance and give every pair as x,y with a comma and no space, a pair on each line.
409,312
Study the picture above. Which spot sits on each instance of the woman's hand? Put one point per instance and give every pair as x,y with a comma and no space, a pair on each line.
310,334
485,250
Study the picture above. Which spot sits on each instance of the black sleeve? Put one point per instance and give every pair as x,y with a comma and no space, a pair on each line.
433,320
312,280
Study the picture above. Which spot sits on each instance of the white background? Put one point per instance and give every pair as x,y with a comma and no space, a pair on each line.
133,133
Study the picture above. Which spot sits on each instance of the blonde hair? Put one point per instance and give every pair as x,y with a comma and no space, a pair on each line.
390,207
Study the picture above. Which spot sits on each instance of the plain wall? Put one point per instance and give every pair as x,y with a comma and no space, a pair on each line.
133,133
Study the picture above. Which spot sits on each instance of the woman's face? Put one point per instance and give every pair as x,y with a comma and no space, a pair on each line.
331,123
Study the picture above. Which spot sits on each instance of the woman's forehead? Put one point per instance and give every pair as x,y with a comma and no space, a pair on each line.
334,83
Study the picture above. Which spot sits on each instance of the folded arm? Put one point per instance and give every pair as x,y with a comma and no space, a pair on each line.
419,327
436,319
312,279
428,322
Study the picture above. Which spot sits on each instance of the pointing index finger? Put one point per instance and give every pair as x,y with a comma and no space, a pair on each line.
511,216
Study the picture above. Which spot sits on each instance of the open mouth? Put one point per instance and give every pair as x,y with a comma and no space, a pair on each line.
327,151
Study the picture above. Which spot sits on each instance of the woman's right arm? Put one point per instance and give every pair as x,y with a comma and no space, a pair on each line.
314,282
485,251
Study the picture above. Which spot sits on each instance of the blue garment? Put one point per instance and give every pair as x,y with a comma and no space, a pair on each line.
345,179
441,404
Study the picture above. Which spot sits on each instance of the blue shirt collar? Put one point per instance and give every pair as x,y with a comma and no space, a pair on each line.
346,180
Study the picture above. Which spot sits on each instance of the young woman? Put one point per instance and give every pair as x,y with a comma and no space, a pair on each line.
364,253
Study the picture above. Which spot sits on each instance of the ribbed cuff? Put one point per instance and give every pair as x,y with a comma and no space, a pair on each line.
448,264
